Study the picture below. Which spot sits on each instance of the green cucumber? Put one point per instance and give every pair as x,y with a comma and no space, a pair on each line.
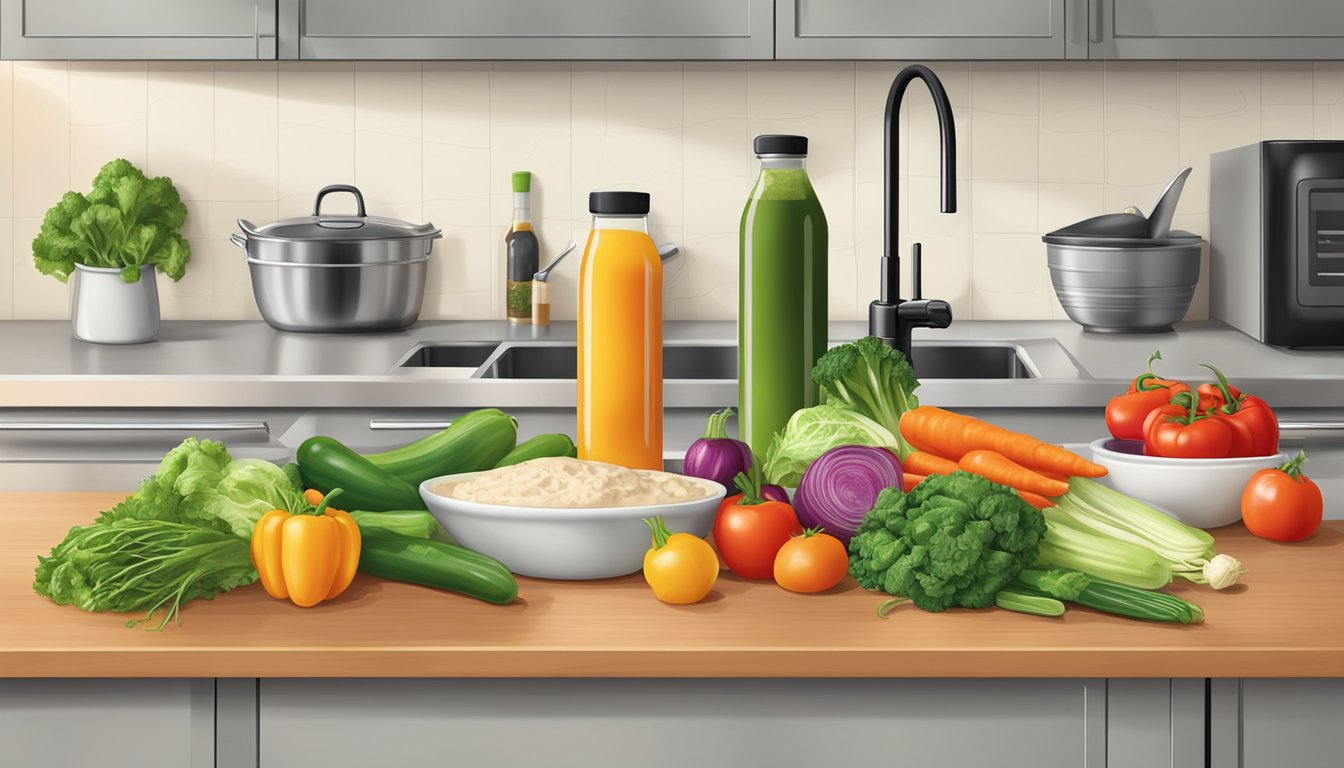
473,442
540,447
416,523
435,564
325,463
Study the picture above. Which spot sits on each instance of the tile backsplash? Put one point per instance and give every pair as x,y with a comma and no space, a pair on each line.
1040,144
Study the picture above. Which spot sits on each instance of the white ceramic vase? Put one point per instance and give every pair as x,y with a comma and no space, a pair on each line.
104,309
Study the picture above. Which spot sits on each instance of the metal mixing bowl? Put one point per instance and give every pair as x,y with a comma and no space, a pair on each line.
1125,288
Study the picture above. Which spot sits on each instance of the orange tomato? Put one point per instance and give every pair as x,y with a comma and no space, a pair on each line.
811,562
1282,504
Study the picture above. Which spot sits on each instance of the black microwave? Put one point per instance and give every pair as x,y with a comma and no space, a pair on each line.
1276,241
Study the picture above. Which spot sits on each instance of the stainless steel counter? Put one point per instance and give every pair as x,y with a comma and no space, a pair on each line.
248,364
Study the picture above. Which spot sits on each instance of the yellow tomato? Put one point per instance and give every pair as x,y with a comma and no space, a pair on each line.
680,568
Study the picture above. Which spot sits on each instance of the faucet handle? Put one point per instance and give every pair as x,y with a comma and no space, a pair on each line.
916,273
925,313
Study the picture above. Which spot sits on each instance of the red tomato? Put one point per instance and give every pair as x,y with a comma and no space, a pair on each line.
1282,504
750,535
812,562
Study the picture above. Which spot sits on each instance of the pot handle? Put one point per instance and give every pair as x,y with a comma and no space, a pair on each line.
239,241
359,198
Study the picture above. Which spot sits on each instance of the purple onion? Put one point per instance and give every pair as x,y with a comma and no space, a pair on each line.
775,493
716,456
842,485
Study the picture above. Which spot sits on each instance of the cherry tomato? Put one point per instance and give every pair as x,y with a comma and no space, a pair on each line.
1282,504
680,567
750,535
812,562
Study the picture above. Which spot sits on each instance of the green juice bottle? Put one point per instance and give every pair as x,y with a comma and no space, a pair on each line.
782,292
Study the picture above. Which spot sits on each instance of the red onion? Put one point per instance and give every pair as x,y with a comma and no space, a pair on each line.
716,456
775,493
841,486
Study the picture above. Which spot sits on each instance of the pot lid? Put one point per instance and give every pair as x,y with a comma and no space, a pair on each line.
339,228
1129,228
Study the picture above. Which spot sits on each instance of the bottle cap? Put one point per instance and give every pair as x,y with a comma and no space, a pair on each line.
619,203
522,181
780,144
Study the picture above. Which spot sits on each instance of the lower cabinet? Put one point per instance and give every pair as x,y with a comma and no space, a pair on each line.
107,723
675,723
1277,723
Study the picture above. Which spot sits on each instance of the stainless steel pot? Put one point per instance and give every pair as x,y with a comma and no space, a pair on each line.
1125,288
322,274
1124,272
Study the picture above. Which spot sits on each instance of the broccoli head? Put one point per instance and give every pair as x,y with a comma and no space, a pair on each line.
872,379
955,540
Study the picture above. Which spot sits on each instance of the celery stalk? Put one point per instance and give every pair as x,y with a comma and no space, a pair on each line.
1112,559
1189,552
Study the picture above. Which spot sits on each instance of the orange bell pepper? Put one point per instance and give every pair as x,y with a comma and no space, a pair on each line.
309,556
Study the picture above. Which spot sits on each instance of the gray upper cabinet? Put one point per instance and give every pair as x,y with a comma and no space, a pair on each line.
137,29
1217,29
949,29
526,29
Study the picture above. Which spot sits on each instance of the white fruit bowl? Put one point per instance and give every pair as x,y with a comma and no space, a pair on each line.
566,543
1205,493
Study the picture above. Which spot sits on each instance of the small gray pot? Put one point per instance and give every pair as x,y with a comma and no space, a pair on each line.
104,309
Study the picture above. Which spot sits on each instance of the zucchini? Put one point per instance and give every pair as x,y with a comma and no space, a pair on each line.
324,464
540,447
473,442
435,564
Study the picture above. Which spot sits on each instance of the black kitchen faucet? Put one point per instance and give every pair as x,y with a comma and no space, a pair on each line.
891,318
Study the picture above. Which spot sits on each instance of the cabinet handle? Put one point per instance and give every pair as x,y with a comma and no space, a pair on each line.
1304,428
396,424
1094,21
136,426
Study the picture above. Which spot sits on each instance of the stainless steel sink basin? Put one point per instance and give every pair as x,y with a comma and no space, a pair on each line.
708,362
701,362
970,361
455,355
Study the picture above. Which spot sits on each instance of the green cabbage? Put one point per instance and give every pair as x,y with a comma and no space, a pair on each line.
814,431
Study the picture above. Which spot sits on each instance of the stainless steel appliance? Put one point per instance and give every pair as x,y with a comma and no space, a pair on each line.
325,273
1126,272
1276,216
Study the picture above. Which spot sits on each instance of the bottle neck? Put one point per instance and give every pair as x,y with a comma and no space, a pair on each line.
783,162
522,211
627,223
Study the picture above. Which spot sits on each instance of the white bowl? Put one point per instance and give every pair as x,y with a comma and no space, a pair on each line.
1205,493
559,543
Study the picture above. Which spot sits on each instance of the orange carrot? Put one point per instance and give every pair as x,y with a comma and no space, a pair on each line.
925,463
999,469
910,481
1053,476
1035,499
953,435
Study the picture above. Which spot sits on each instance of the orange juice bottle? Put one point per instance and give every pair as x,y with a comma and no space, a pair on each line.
620,331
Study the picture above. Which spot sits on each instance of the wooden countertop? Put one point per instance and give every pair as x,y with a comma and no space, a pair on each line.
1284,620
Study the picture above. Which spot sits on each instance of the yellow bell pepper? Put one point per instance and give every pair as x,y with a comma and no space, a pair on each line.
309,556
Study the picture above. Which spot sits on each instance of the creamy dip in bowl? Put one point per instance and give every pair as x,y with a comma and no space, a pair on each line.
560,518
572,484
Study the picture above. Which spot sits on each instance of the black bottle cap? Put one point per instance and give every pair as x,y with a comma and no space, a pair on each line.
780,144
619,203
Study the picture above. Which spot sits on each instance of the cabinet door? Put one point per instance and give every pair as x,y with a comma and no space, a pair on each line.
667,723
108,723
137,29
526,29
1284,724
1217,29
951,29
